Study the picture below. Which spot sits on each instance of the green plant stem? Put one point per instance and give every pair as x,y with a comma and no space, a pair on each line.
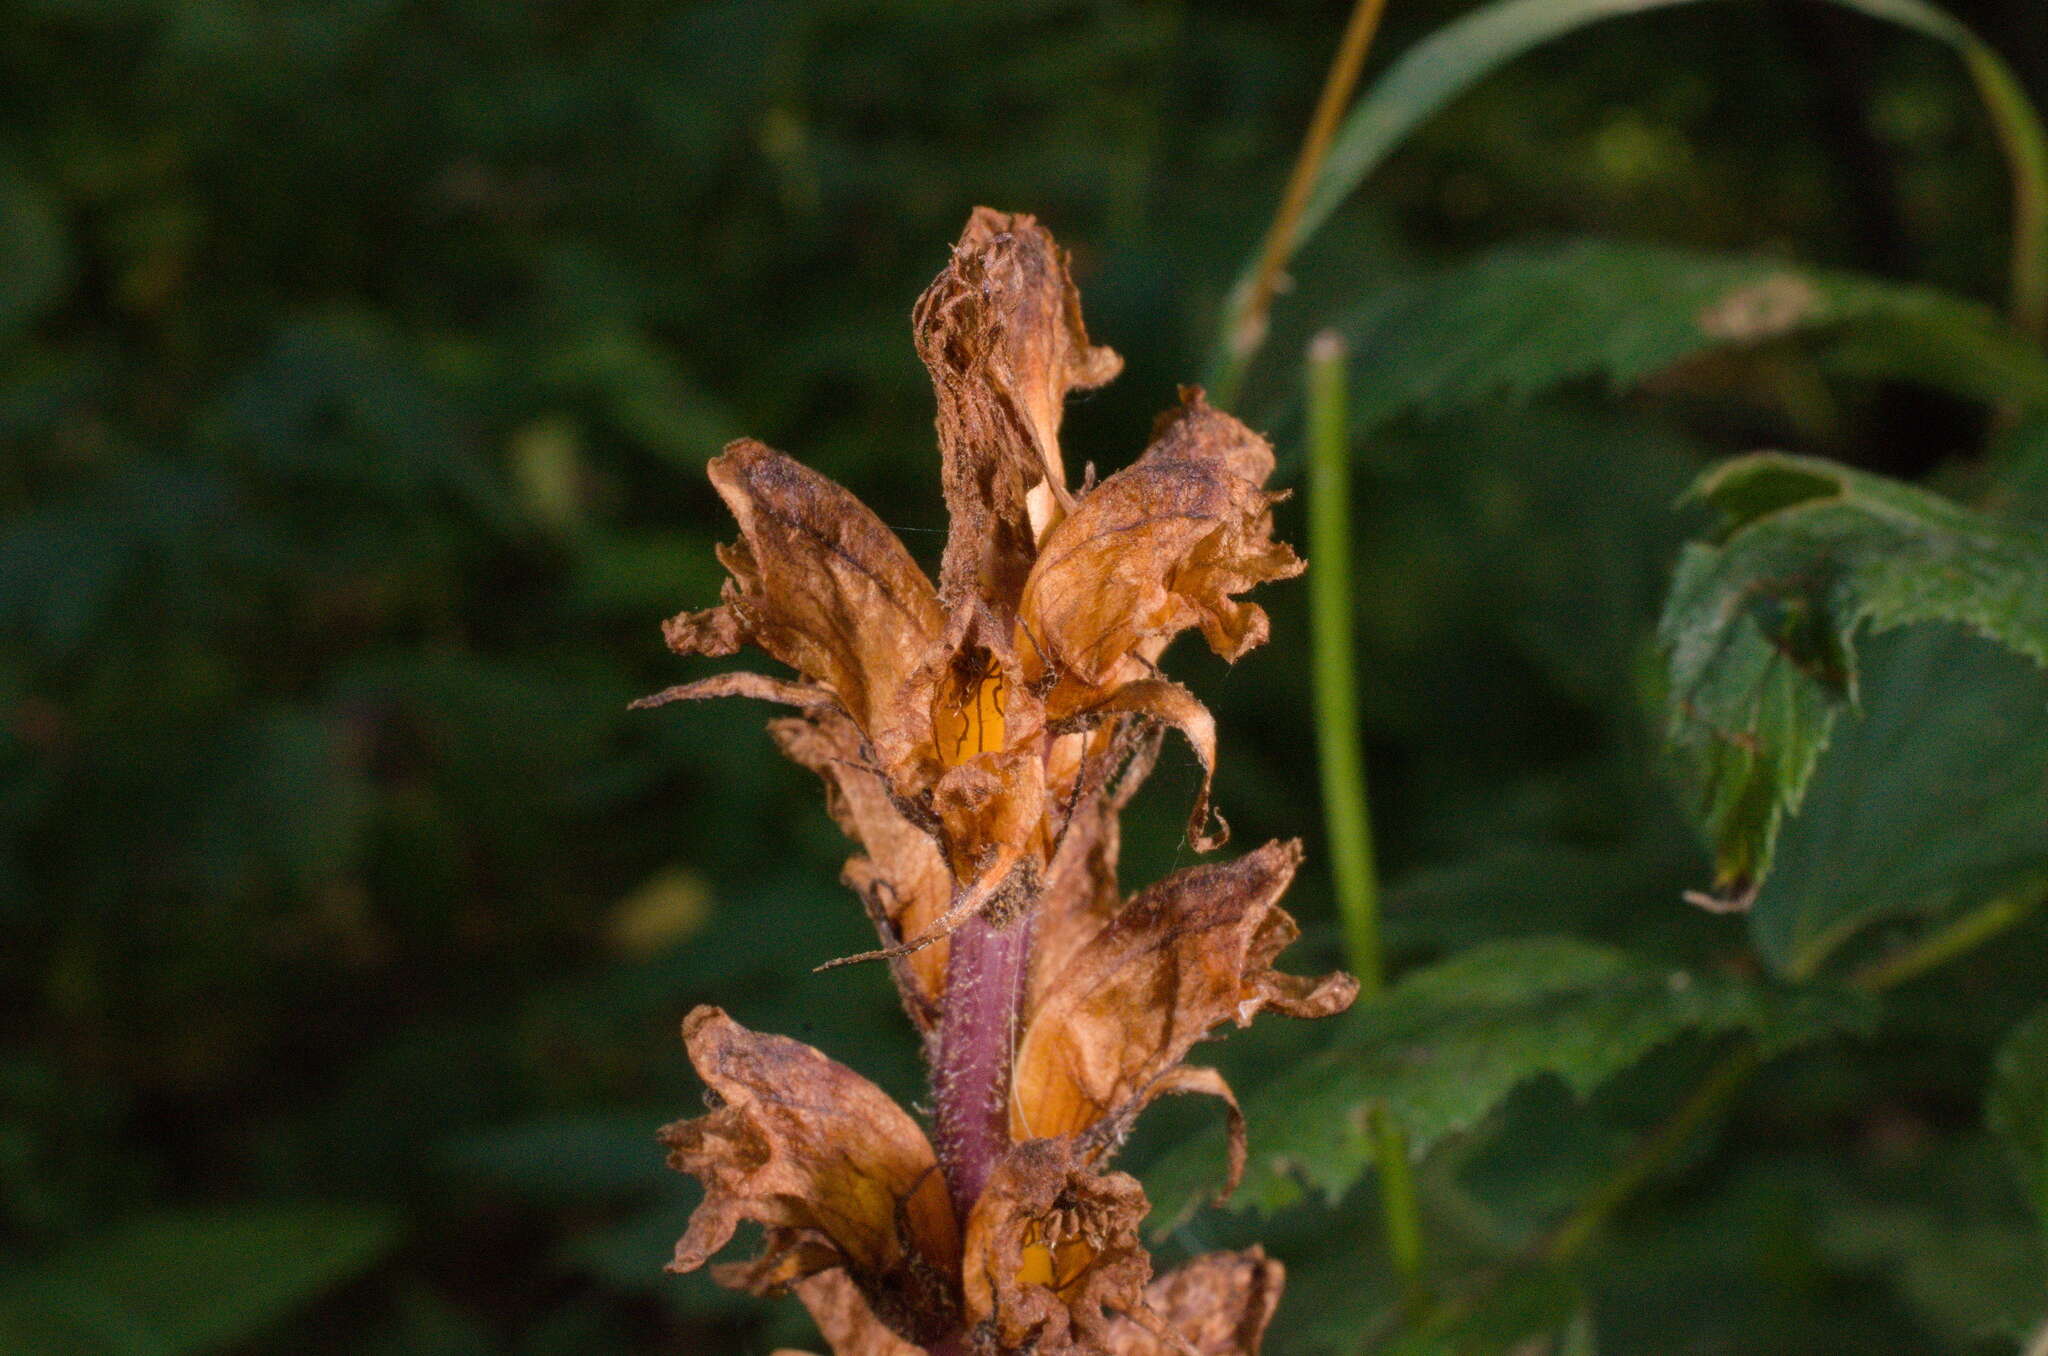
1664,1143
1245,329
1650,1156
1944,944
1340,746
1347,810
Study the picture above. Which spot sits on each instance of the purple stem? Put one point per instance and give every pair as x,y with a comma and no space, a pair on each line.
985,977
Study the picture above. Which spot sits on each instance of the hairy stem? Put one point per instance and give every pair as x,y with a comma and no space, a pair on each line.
985,975
1346,807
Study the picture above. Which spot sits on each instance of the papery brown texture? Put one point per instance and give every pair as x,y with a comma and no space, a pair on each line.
903,878
820,583
1158,547
1000,331
979,740
1194,951
834,1169
1217,1305
845,1319
1052,1249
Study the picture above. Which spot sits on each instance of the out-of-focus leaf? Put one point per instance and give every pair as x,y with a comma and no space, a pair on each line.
67,567
33,258
1929,797
188,1282
1969,1280
1525,319
2018,1105
1527,1305
578,1158
1761,626
337,402
1449,1043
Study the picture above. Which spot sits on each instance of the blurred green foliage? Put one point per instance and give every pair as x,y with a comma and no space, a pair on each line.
358,361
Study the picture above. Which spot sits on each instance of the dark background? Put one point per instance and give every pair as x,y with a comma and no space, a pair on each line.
358,364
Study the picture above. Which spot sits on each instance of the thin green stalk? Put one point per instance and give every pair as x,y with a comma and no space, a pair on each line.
1345,805
1346,809
1652,1154
1663,1144
1944,944
1245,328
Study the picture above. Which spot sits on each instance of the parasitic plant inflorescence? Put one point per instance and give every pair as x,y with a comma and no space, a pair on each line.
979,739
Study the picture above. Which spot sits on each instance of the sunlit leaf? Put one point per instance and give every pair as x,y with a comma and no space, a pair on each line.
1523,320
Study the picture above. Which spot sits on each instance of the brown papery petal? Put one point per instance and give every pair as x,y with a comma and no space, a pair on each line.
1182,957
1169,704
1158,547
846,1321
1052,1245
903,879
1000,331
837,1171
820,583
1219,1305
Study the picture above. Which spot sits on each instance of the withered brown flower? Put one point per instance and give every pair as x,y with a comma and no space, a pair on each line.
979,740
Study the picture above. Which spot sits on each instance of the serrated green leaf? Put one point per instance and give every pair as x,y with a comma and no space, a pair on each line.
1927,799
188,1281
1761,627
1460,54
1525,319
1449,1043
2017,1107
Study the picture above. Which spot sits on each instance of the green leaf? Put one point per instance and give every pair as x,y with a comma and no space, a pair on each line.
188,1281
1449,1043
1457,56
1928,798
1523,320
34,261
572,1159
2017,1107
1761,624
1530,1304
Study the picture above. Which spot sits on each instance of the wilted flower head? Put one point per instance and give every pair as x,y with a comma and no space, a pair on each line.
979,739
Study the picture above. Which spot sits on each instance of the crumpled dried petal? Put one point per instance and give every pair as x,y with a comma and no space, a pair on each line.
839,1174
849,1326
1169,704
1000,331
1052,1250
1106,1038
1219,1305
1158,547
821,584
903,878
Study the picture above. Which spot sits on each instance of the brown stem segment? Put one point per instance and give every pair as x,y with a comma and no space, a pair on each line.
985,977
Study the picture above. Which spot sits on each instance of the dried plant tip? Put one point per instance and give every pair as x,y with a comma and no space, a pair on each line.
1000,331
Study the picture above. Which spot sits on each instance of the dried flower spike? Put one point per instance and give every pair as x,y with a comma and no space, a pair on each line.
979,740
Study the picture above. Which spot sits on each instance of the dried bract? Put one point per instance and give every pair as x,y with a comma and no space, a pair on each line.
979,740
